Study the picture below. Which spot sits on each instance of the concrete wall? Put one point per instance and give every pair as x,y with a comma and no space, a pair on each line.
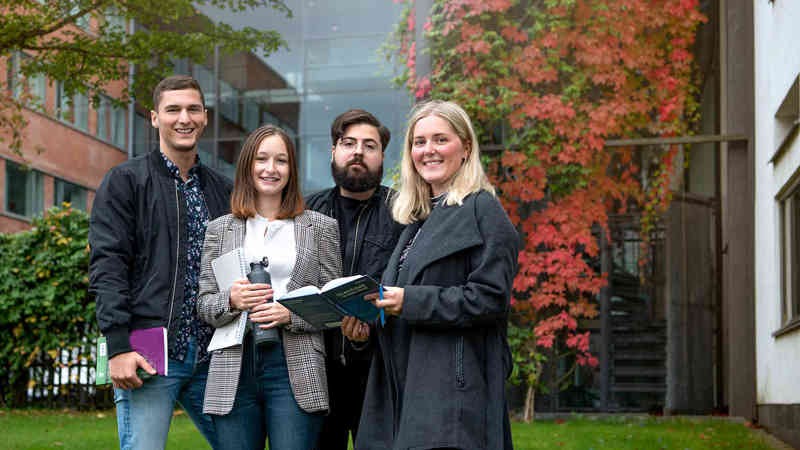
777,64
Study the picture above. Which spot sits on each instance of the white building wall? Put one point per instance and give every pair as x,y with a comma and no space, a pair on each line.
777,61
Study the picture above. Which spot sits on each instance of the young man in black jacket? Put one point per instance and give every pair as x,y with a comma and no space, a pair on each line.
146,234
368,236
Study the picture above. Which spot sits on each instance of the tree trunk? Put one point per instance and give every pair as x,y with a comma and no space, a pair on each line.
529,399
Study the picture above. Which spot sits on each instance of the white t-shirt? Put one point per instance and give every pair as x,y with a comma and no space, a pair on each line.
275,240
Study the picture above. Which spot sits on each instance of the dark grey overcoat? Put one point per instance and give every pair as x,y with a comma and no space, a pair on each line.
438,375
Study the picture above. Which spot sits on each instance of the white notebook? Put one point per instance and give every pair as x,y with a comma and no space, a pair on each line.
227,269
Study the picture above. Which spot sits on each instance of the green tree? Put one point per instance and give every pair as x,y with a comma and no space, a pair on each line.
86,46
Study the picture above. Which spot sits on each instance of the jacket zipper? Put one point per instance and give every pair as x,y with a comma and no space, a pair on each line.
460,362
355,240
177,255
342,357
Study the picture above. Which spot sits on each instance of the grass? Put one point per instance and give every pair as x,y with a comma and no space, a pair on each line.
44,429
637,433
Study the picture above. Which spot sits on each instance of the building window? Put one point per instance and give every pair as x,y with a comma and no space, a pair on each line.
80,106
118,126
790,253
34,85
24,192
81,21
111,122
103,115
73,194
145,138
63,104
74,110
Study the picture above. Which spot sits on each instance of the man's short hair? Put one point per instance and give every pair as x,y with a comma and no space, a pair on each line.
176,83
358,116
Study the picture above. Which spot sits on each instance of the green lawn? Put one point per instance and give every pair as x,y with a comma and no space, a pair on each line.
37,429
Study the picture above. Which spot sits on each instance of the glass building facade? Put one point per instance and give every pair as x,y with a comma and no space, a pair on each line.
333,63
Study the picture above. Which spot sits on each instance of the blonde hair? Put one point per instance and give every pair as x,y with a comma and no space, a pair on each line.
413,201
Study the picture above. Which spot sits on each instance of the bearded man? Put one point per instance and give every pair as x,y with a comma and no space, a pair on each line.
368,236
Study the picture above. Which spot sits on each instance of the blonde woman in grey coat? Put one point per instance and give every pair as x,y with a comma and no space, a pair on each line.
442,357
275,391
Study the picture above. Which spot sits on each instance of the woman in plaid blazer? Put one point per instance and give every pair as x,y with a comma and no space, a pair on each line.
254,390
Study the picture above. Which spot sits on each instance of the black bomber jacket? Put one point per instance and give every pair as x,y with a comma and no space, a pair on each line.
138,246
376,238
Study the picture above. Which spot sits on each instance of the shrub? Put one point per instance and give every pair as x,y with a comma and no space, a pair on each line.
45,306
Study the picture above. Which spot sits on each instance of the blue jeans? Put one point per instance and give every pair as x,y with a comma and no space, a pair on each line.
265,406
144,414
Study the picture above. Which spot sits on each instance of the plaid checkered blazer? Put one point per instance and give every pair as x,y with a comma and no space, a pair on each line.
318,261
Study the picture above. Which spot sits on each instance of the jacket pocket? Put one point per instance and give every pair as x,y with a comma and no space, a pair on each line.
459,353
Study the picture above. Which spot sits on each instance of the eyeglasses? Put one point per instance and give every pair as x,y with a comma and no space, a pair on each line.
349,145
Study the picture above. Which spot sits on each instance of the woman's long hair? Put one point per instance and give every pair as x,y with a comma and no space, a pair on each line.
243,198
412,202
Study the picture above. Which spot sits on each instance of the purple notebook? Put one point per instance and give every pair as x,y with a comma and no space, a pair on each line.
151,343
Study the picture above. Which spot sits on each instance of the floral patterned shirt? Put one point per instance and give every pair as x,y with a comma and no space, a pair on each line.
196,221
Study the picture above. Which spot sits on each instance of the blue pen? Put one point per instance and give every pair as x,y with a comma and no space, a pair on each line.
380,297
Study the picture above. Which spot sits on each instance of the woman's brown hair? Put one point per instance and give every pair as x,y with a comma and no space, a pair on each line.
243,198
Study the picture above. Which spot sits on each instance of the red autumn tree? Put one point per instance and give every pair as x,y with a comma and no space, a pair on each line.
563,76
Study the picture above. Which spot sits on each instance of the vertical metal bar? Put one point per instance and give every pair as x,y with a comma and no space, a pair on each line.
131,104
423,59
217,102
605,322
719,379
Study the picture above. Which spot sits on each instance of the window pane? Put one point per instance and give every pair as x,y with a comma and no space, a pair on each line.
118,127
230,102
144,136
63,106
69,193
24,194
102,117
205,77
794,276
81,108
228,154
14,80
38,86
116,23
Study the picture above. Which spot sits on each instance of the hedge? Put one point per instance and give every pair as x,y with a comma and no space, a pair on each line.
45,306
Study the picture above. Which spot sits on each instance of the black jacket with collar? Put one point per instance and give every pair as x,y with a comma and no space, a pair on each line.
439,371
138,246
373,247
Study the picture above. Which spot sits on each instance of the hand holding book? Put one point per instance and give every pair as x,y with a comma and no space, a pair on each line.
390,300
326,307
127,370
354,329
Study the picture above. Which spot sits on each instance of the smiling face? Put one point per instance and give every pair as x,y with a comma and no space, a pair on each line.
180,118
271,167
437,152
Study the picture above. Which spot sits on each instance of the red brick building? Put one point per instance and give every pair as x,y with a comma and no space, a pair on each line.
67,148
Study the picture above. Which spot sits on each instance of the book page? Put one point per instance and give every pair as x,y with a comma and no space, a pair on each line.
227,269
300,292
339,281
229,334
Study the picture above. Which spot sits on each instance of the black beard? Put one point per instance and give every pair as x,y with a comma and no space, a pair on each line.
356,183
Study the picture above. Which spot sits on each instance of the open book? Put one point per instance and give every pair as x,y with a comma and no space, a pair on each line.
325,308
